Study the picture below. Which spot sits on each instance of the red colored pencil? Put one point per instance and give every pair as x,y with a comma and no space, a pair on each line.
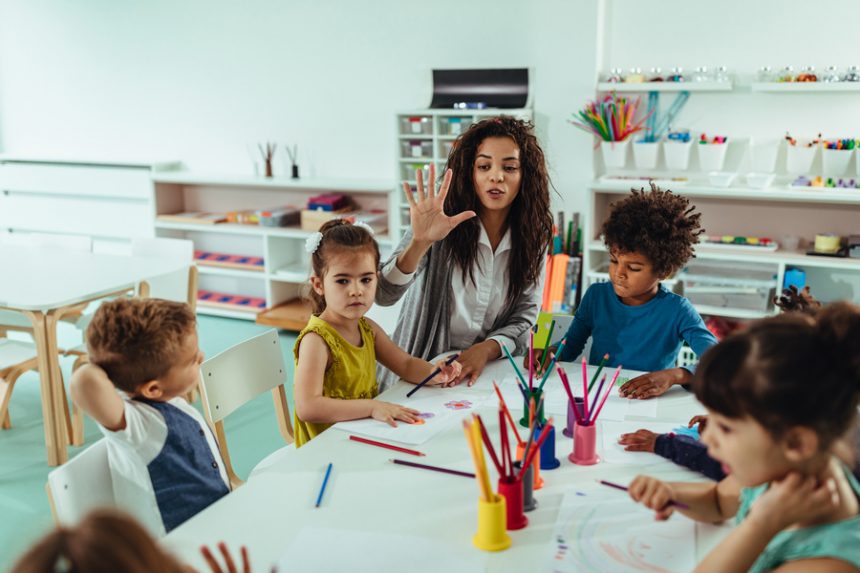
508,414
384,445
489,445
564,382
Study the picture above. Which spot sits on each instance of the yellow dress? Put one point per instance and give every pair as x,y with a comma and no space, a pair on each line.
351,376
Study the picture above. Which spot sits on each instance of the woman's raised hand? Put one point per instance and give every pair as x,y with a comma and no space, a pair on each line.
427,208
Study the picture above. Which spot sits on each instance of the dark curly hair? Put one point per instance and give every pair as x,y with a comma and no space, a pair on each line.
530,218
656,223
338,235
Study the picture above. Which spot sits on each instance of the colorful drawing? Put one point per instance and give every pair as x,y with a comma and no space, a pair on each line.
426,415
458,405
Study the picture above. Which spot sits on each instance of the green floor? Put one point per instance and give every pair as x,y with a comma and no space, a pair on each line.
252,433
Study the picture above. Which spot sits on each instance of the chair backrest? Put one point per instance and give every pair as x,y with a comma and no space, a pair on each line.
51,240
179,286
239,374
81,485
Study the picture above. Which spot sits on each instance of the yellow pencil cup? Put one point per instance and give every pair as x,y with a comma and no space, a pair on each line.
492,525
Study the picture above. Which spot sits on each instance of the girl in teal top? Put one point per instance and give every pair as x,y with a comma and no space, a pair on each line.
779,395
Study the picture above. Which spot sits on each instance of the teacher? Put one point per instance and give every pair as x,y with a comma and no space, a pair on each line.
472,280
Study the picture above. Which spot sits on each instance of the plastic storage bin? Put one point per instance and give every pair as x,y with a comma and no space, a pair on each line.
677,155
416,125
712,156
799,158
730,285
416,148
645,154
454,125
614,153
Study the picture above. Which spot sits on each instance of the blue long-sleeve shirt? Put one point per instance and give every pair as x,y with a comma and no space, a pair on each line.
645,337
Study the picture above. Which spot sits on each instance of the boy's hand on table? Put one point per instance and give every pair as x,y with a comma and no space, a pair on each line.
652,384
638,441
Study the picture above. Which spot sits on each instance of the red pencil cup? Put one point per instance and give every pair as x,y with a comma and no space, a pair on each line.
529,501
584,445
536,394
571,419
537,480
512,491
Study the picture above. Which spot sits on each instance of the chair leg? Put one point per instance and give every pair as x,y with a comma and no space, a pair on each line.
6,385
77,431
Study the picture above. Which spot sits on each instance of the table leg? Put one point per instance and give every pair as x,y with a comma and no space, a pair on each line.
61,404
56,453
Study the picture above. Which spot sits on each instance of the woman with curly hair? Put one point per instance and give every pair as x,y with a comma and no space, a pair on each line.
471,265
634,318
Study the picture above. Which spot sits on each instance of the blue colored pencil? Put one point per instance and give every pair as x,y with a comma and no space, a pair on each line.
432,374
324,483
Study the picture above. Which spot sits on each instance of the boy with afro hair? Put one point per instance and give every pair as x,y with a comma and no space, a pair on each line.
633,317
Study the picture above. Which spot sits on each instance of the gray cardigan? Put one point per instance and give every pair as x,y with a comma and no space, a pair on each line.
424,322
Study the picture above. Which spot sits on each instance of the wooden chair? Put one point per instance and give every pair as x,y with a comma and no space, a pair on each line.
238,375
16,358
179,286
81,485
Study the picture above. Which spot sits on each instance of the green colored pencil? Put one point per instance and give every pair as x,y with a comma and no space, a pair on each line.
599,368
546,344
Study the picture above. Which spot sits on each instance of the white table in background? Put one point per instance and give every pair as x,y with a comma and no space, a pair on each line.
368,493
44,284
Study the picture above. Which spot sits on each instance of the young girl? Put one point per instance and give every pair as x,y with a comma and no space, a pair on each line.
633,318
106,541
337,352
779,396
470,267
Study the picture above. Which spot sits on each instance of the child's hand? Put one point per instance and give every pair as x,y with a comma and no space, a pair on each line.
795,499
474,359
653,384
388,413
653,494
539,370
215,567
701,420
638,441
448,374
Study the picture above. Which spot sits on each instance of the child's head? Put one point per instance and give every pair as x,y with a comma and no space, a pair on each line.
147,347
650,235
345,263
103,542
498,166
781,392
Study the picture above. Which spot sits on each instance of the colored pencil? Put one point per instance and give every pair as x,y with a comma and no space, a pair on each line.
432,468
324,483
384,445
593,418
517,370
547,344
470,441
552,363
564,382
432,374
599,388
677,504
584,388
527,461
531,358
508,414
599,368
486,439
483,473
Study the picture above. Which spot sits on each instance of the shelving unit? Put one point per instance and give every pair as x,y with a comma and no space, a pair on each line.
425,137
665,87
287,264
805,87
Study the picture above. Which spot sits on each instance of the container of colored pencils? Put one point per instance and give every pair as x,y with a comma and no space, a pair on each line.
584,445
492,509
534,395
571,415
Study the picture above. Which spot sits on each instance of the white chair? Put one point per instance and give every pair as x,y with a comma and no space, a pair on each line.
238,375
81,485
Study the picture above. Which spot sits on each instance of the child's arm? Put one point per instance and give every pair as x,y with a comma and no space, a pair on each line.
708,502
95,394
312,406
408,367
682,450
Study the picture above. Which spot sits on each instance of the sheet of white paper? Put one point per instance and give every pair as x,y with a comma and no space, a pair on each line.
613,452
602,531
323,549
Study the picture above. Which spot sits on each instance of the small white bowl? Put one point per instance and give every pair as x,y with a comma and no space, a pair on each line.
722,178
759,180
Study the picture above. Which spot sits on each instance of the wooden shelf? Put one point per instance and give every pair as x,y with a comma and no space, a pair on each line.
291,315
665,87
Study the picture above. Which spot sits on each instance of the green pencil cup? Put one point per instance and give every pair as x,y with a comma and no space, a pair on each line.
536,394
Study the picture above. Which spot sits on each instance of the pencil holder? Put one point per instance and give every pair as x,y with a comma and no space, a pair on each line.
834,162
529,501
537,481
584,445
571,419
645,154
492,534
677,155
548,461
712,156
614,153
763,154
512,491
799,159
536,394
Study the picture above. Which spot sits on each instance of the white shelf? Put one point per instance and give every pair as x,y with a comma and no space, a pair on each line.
793,258
223,312
252,230
731,312
810,195
297,273
225,272
416,136
805,87
416,159
309,183
665,87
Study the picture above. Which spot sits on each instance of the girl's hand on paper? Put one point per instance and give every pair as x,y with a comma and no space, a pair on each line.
426,208
229,564
653,384
638,441
653,494
388,413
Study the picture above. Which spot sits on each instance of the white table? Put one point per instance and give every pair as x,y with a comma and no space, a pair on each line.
44,284
368,493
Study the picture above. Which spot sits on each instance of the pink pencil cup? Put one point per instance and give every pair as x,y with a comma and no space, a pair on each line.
512,491
584,445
